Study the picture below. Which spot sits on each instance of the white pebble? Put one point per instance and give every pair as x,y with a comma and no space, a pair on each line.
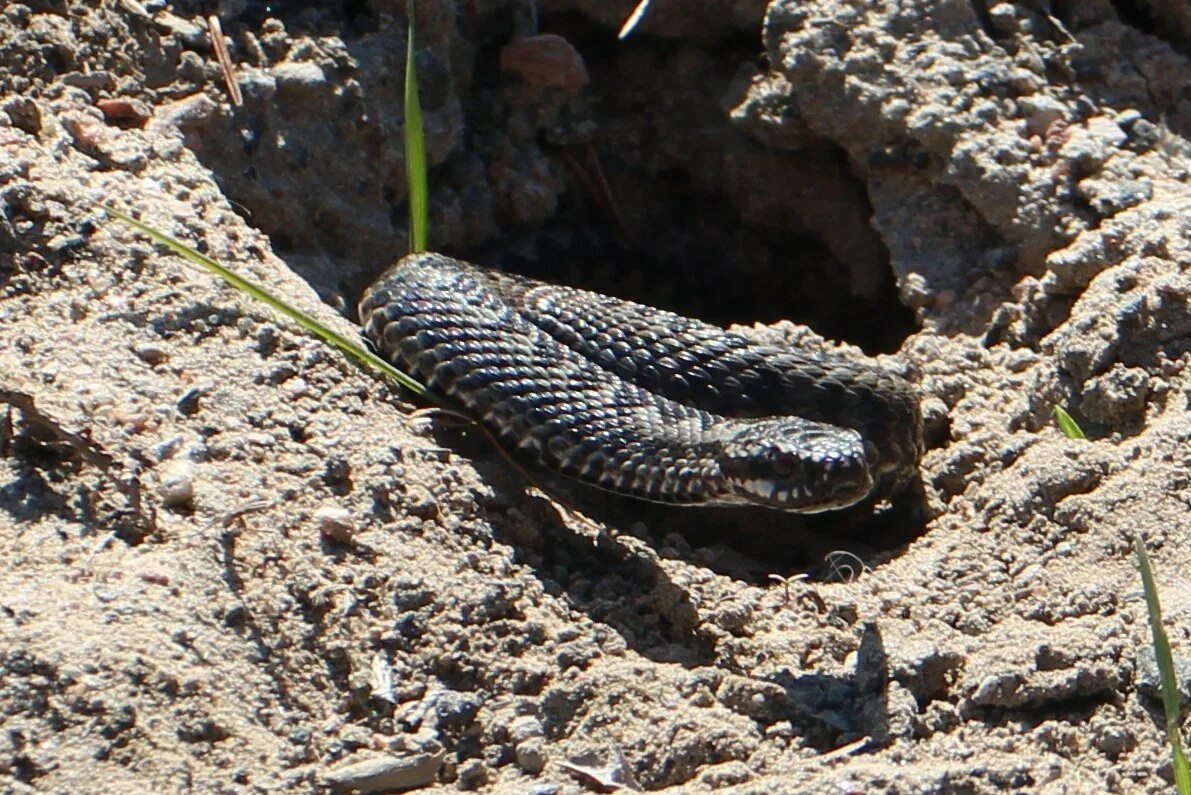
335,523
177,483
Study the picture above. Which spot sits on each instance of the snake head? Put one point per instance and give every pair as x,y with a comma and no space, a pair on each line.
793,464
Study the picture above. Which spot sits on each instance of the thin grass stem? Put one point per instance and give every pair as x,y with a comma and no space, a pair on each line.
1170,688
353,350
415,148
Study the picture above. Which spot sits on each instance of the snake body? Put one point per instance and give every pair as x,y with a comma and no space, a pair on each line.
644,402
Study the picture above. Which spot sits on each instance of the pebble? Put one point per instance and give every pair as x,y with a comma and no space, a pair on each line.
531,755
1114,740
193,112
1003,17
188,404
420,502
97,79
152,354
1041,111
525,728
472,774
257,85
164,449
336,523
177,483
295,388
385,773
545,61
298,76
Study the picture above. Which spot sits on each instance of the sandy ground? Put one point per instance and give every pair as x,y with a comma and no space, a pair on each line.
235,563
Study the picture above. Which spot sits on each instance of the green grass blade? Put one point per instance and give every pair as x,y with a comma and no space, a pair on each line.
1067,424
415,149
353,350
1170,688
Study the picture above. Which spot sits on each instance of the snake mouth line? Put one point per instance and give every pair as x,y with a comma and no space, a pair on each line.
803,499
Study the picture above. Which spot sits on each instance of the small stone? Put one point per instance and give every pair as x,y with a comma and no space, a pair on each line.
190,32
138,9
177,483
385,773
531,755
1111,196
1003,17
189,114
1041,111
525,728
295,389
124,108
62,243
152,354
298,76
1087,147
87,80
257,85
1024,81
420,502
336,524
167,448
545,61
1114,740
1127,118
566,634
282,373
473,774
188,404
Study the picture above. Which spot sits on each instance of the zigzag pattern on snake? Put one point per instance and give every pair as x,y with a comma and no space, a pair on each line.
644,402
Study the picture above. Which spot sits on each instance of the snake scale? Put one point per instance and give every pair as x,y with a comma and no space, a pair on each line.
644,402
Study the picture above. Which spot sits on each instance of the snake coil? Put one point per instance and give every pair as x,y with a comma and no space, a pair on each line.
644,402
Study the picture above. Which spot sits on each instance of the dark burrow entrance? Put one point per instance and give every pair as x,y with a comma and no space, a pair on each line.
670,202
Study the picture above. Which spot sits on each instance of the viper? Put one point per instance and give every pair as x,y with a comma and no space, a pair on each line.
644,402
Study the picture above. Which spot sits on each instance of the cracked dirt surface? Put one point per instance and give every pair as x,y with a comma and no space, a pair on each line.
236,563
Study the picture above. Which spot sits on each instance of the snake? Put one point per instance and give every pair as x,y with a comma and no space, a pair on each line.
644,402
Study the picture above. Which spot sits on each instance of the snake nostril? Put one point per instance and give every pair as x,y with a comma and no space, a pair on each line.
850,476
849,488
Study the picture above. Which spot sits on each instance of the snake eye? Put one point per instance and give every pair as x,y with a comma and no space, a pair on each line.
784,463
